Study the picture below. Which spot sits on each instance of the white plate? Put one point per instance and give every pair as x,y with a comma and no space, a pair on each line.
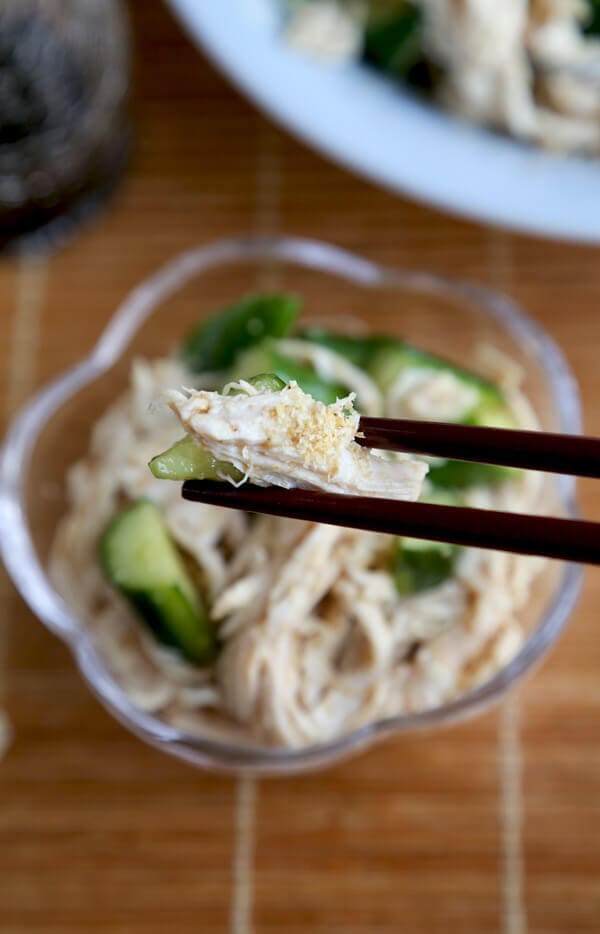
374,128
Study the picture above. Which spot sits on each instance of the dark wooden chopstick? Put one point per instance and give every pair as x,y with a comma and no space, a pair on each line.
569,539
534,450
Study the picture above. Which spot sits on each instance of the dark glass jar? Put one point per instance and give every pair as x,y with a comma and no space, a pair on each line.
64,132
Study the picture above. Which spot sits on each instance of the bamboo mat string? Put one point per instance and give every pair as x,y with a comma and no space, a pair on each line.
514,917
511,809
31,278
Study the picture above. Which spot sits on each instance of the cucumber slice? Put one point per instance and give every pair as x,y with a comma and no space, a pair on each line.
185,460
389,362
215,343
264,358
420,565
142,563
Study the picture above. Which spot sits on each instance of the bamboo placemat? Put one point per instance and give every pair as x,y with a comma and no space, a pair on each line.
493,825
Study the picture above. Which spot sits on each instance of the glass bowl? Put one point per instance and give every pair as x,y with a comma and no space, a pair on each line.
444,316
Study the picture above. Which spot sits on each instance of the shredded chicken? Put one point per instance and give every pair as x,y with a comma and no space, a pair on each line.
289,439
507,65
316,640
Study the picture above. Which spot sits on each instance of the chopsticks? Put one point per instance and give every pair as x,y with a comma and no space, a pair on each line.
568,539
506,447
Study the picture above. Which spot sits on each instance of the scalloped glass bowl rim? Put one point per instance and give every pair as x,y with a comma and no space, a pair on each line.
19,555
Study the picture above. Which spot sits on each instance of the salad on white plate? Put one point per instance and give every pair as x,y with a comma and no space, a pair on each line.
380,128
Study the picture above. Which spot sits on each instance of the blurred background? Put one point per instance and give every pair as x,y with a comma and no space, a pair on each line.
121,145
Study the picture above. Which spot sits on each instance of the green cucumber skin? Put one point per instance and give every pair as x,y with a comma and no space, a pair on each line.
387,364
185,460
389,361
385,357
424,568
459,475
158,608
265,358
214,344
592,27
357,350
441,497
419,564
159,591
394,38
263,382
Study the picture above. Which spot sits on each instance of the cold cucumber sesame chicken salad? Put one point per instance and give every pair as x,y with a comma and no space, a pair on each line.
280,632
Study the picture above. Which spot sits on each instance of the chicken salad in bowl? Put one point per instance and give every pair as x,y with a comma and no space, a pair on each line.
261,642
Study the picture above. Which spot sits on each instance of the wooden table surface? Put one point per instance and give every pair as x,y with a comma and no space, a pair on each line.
490,826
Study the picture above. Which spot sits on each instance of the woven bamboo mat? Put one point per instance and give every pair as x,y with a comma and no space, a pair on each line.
490,826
